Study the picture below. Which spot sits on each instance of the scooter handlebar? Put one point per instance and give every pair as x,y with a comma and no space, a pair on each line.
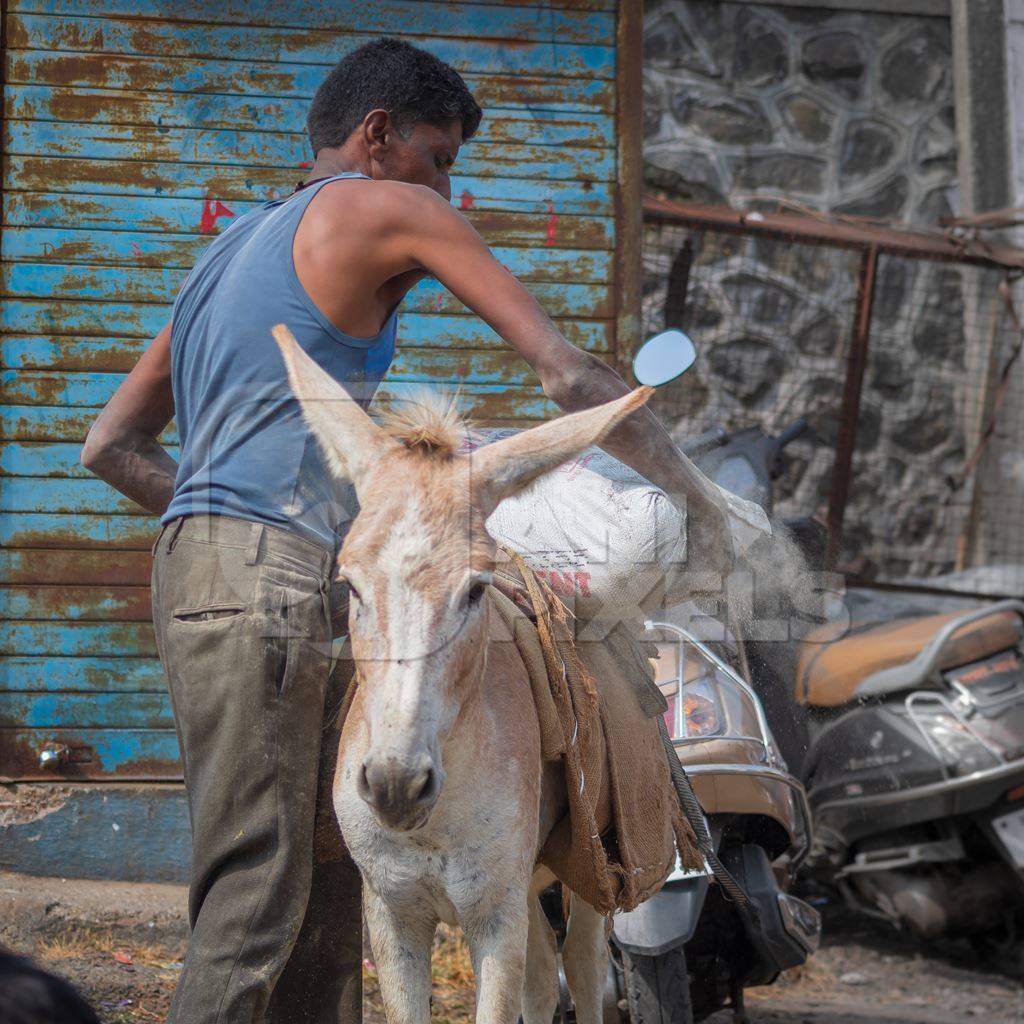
791,433
694,447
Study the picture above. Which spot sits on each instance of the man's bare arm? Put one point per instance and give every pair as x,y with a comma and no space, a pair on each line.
443,242
122,446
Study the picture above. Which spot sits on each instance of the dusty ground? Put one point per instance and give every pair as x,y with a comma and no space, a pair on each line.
863,974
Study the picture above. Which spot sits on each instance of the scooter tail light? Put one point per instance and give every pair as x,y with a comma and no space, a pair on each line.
1017,793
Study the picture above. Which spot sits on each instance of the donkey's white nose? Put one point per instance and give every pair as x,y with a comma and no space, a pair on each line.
401,793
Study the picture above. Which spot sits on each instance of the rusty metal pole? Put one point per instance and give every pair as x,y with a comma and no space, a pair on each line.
856,364
629,218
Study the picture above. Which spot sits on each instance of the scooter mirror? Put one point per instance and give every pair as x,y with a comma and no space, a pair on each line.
663,358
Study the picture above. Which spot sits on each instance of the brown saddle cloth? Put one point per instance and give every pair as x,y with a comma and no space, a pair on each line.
597,705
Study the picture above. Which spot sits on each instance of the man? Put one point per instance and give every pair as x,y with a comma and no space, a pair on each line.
251,520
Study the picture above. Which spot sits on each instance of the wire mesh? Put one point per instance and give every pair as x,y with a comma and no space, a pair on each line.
774,322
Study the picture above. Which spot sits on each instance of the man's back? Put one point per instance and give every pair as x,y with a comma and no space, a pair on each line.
245,452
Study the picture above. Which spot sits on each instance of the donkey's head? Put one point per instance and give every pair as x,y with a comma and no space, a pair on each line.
418,560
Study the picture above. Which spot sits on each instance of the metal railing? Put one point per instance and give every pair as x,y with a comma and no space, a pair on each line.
900,346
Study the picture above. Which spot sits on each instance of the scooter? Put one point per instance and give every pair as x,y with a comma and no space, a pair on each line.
706,935
908,727
694,946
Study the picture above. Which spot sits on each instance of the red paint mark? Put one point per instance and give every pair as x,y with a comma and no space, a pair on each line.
557,581
136,251
439,301
466,200
306,165
552,223
566,583
212,210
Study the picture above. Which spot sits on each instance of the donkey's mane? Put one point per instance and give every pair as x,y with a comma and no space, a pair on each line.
429,422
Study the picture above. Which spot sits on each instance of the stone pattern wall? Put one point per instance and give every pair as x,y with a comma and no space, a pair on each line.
849,112
839,110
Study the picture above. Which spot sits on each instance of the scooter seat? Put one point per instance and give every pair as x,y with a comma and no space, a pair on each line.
830,669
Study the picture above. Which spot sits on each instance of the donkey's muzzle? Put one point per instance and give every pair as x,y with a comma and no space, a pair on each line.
400,794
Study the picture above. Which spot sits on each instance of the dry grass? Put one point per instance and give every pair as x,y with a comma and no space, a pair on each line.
86,956
135,993
451,965
453,983
79,942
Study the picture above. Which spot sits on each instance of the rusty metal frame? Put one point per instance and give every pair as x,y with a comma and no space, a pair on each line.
840,233
872,241
629,192
856,364
920,8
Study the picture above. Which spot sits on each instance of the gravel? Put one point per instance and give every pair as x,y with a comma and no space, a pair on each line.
865,973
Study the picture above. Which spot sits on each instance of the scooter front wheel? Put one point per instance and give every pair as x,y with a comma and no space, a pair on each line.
657,988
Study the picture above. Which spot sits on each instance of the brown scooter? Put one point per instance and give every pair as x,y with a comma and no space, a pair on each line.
696,945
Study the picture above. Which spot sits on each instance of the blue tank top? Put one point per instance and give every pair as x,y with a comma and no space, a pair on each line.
245,451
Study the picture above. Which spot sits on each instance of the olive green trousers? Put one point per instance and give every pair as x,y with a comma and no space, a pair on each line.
243,618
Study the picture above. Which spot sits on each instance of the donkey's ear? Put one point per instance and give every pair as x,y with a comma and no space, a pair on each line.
351,441
505,467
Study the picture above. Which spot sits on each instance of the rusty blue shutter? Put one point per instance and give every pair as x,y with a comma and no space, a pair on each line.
133,131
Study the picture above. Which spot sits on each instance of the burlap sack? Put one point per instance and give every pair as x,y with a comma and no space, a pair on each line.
597,706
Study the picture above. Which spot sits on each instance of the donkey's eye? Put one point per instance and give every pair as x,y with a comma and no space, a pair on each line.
476,594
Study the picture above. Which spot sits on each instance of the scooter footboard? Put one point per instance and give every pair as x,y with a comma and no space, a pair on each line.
667,920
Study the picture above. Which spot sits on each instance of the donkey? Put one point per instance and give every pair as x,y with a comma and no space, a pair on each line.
440,789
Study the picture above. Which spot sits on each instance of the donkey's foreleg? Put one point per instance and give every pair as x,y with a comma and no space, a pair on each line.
497,943
401,950
540,986
585,957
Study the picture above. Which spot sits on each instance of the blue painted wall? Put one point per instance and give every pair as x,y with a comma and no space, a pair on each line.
136,129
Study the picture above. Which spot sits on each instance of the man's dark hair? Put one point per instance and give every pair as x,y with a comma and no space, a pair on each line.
410,84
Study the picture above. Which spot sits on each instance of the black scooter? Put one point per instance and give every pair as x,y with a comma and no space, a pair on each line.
906,724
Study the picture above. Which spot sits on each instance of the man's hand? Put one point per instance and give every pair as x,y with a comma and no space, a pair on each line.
121,445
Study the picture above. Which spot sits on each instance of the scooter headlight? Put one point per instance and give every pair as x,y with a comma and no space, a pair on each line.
700,710
703,700
960,750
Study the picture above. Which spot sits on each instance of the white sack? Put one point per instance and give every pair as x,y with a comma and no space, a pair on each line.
605,539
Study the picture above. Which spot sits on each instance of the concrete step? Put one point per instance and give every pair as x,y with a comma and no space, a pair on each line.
138,832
